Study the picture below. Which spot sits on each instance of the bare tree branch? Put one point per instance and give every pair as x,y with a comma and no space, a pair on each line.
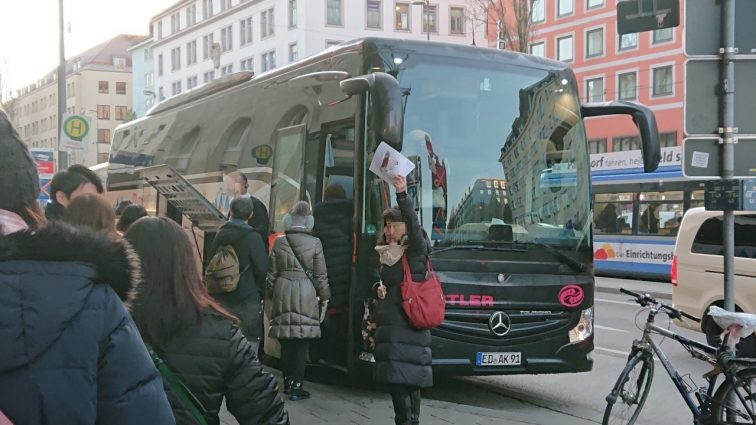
513,19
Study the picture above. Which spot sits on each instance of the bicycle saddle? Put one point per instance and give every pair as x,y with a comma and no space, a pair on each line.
736,325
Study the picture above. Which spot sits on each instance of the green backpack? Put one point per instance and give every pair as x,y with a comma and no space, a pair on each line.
222,272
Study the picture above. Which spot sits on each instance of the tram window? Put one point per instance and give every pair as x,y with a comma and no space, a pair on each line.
661,212
697,198
613,213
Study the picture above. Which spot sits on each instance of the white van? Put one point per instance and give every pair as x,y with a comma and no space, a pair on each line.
698,267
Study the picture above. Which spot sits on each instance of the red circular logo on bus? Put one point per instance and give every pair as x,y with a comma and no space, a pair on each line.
571,296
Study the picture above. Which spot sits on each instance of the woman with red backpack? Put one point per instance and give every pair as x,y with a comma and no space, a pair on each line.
402,352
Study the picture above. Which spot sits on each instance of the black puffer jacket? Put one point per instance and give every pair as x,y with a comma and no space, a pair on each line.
333,226
402,353
294,309
69,351
214,360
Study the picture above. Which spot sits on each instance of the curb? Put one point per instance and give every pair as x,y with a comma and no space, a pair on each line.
615,291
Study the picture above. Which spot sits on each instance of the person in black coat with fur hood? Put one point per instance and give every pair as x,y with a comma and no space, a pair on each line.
70,351
402,353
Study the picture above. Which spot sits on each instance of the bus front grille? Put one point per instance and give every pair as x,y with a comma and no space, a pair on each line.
475,323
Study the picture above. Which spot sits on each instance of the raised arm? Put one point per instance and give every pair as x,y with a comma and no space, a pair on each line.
416,238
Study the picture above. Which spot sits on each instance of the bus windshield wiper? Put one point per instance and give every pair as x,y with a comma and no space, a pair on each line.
480,247
575,264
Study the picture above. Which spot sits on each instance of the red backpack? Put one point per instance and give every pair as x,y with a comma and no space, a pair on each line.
423,302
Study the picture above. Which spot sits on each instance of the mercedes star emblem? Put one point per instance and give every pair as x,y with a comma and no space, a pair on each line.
500,323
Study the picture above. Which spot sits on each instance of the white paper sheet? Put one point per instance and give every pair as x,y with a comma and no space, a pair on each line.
388,163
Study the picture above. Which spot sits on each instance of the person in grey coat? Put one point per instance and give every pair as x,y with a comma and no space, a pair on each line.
298,292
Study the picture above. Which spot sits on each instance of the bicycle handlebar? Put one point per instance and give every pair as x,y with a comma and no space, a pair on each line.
646,300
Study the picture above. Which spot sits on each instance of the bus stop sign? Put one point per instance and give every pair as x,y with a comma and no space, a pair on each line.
647,15
702,157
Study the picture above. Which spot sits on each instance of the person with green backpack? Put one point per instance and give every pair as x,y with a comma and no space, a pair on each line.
235,272
196,344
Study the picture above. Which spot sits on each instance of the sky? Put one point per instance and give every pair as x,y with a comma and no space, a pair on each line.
29,31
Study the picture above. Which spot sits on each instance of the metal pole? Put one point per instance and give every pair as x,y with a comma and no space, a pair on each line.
61,84
426,10
728,154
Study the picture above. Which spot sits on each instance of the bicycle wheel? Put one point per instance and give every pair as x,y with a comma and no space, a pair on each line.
742,400
624,403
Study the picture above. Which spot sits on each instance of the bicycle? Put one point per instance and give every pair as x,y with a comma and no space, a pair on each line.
732,401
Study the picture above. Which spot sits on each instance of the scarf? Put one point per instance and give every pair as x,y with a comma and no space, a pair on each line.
11,222
390,254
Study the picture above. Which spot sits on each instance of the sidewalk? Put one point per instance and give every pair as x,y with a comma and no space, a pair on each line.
610,285
331,404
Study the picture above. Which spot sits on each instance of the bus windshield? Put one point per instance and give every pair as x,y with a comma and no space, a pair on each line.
500,153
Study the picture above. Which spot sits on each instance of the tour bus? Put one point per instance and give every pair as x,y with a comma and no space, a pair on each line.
637,215
501,184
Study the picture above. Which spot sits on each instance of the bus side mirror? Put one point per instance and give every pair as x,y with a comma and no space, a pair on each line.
387,117
643,118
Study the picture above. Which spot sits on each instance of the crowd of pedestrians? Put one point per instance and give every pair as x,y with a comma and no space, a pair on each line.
106,317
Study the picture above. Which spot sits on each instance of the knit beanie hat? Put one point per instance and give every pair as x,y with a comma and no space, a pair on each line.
300,216
19,183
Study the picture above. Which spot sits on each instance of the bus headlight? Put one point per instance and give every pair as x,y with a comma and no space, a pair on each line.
584,328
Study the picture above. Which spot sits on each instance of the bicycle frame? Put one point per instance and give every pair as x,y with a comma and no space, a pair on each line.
647,342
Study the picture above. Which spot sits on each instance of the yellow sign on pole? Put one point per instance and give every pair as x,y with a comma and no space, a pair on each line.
75,133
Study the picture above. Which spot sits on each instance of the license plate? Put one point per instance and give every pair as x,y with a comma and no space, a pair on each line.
498,359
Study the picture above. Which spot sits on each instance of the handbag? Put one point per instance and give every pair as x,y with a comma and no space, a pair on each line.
184,395
423,302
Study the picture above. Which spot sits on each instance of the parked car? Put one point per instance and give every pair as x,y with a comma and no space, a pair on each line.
698,270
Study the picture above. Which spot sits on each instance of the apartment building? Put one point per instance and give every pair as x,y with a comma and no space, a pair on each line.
259,35
98,85
645,67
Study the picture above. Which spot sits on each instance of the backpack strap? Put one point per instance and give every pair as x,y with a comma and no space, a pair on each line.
310,275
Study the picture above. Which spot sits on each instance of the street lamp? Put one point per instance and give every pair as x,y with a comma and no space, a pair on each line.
426,12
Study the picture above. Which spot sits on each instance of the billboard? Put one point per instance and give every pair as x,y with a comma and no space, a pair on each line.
44,159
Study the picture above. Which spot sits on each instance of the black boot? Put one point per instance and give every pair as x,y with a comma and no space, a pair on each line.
414,420
297,391
415,407
287,385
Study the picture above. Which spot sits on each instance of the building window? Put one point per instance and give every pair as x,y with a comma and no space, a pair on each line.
293,52
207,8
225,5
103,112
208,76
592,4
332,43
268,60
564,7
430,18
538,12
103,135
191,53
594,43
120,112
247,65
457,20
245,31
594,90
628,143
628,86
662,35
119,62
175,88
191,82
175,23
149,79
175,58
662,81
597,146
564,49
191,15
333,12
538,49
227,40
374,14
401,17
160,65
668,140
102,87
292,13
267,23
120,87
160,30
228,69
207,46
161,94
628,41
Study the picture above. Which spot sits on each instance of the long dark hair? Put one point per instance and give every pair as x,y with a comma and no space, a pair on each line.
172,296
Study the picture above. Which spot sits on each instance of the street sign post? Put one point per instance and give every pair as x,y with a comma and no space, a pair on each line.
702,18
702,157
703,88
